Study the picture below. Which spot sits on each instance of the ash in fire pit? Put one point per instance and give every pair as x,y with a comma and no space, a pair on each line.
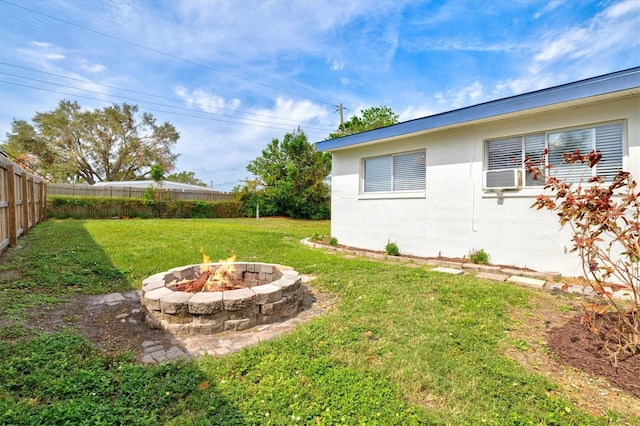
216,297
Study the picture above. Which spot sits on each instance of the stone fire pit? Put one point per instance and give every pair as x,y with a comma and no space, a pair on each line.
270,293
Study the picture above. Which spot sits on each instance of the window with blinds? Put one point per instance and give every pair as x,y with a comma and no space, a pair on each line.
398,172
509,153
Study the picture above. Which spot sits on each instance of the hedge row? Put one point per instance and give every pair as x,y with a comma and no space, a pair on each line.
63,207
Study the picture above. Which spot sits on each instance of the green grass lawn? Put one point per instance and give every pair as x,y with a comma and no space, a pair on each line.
402,346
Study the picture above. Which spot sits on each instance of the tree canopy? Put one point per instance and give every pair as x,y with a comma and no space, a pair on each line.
109,144
186,177
291,179
369,119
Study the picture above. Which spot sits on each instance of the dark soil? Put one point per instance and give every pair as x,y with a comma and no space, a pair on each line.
99,323
119,327
576,345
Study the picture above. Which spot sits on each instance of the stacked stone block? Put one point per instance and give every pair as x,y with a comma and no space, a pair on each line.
271,293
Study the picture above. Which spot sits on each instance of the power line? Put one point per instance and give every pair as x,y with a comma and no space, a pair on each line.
150,109
159,52
148,102
145,94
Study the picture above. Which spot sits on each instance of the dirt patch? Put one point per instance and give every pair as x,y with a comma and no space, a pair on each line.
118,326
551,317
577,346
114,328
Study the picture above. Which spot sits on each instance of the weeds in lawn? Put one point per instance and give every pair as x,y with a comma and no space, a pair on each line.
403,345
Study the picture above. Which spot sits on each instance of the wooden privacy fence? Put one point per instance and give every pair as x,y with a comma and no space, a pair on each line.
135,192
22,202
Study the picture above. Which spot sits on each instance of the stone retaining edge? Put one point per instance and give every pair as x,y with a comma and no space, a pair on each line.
550,281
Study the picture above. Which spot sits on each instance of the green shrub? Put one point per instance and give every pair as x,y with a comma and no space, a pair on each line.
392,249
279,203
62,207
333,241
479,256
149,194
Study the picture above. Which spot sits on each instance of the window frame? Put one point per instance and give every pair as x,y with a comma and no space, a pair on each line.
416,192
527,181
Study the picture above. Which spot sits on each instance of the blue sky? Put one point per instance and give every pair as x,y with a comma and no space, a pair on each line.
233,74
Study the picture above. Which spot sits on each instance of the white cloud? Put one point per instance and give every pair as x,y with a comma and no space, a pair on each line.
579,51
553,4
206,101
413,112
53,56
623,8
457,98
220,152
42,53
92,68
297,112
457,44
564,44
613,29
335,65
41,45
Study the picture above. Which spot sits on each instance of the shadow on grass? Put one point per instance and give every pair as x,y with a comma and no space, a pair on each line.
56,260
61,378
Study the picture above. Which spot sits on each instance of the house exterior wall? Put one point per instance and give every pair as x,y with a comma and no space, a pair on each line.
455,215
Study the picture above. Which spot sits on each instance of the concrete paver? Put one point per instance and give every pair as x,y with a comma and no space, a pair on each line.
448,270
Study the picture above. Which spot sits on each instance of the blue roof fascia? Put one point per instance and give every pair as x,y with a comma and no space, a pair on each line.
608,83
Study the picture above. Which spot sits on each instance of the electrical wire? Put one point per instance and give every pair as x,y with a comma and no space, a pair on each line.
152,103
150,109
159,52
150,94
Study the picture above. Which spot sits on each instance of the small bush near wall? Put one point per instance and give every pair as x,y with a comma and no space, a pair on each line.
63,207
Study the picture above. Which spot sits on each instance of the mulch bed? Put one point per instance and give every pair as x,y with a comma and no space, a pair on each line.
574,344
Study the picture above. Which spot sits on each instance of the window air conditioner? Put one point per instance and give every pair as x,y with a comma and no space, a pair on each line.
503,179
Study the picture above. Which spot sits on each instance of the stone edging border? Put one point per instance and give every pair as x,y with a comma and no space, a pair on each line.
550,281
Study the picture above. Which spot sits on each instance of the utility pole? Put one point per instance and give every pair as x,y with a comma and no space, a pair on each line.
340,109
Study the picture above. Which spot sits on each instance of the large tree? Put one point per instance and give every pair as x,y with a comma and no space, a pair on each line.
369,119
291,176
109,144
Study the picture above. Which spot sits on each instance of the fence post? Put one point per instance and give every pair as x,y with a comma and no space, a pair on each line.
25,204
11,194
32,202
43,200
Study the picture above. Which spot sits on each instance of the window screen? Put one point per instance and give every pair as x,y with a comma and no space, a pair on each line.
508,153
377,174
505,153
409,172
399,172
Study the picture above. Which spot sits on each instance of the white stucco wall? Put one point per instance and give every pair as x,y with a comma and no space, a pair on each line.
455,215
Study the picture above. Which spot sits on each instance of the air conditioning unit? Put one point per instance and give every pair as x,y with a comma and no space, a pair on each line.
503,179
